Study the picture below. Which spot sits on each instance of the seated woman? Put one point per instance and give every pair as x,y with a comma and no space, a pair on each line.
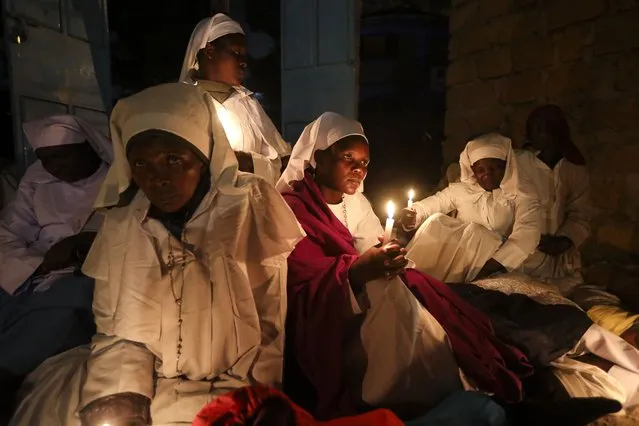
557,171
41,228
497,223
556,168
45,234
189,276
216,60
361,330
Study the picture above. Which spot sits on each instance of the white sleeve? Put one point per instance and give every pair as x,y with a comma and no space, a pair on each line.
273,232
442,202
524,239
19,228
576,225
116,365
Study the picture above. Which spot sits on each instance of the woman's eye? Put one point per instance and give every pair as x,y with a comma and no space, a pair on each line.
139,163
174,160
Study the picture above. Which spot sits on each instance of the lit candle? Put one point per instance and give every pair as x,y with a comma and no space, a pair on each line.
411,195
388,231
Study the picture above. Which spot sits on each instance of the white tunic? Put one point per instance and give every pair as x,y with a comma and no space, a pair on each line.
233,309
356,213
44,211
487,225
565,210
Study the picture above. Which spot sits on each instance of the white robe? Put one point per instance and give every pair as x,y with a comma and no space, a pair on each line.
258,135
487,225
234,307
44,211
248,128
404,345
565,211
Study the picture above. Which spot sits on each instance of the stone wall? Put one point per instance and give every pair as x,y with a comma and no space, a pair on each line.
508,56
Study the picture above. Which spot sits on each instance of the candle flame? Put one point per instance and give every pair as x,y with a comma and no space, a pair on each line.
411,194
19,40
390,209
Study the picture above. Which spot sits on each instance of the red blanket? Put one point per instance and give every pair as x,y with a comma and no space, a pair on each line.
243,405
317,303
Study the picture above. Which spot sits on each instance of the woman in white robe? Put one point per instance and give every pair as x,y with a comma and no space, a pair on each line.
55,197
190,276
216,60
45,234
557,171
497,223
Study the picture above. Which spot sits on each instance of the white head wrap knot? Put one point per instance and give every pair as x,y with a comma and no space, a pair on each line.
206,31
492,145
58,130
322,133
184,110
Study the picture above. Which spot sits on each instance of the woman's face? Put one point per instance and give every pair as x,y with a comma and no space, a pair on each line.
540,136
343,167
165,169
225,59
69,163
489,172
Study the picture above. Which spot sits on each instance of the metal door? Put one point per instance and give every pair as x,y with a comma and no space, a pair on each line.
58,53
320,41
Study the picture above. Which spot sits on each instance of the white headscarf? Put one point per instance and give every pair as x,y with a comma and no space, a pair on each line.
184,110
58,130
328,129
492,145
206,31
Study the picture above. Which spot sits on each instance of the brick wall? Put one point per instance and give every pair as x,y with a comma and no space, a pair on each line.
508,56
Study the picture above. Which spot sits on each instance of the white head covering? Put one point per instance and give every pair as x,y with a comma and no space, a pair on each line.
184,110
492,145
206,31
58,130
328,129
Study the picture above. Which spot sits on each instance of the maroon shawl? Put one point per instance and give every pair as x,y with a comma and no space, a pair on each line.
318,299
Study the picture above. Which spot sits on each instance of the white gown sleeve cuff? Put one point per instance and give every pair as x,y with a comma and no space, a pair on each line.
510,256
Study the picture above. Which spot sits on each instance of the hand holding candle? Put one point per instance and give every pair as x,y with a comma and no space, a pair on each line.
388,230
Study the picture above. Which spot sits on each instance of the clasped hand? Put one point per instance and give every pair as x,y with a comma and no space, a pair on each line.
386,260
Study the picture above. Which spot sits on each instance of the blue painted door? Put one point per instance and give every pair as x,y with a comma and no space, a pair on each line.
58,53
319,61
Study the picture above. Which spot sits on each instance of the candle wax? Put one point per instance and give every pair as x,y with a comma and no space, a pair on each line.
388,231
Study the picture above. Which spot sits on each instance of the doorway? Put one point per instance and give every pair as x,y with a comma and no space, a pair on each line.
403,59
